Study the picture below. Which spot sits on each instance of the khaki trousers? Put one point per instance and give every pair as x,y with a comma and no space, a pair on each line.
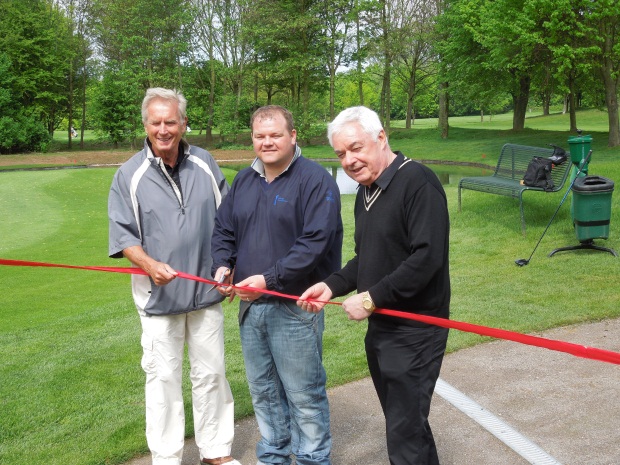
163,342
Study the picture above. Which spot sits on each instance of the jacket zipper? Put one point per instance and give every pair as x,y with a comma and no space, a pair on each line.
173,185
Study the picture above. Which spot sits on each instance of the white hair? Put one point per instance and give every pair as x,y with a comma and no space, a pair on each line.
170,95
367,119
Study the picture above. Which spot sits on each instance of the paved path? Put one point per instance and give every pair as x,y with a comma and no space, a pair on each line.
569,407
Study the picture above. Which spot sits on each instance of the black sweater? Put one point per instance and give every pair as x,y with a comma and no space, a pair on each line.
401,243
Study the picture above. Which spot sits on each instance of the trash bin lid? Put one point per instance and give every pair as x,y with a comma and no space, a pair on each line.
593,184
580,139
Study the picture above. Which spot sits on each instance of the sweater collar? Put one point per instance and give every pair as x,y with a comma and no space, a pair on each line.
385,178
259,167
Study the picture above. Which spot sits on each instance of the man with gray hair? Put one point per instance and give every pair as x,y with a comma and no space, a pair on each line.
161,210
400,263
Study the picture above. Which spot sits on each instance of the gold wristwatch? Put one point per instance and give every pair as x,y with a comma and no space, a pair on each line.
367,302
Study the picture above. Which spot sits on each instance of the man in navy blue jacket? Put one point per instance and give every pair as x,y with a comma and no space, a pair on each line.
279,228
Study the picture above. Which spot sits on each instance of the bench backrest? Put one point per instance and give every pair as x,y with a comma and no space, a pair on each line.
514,159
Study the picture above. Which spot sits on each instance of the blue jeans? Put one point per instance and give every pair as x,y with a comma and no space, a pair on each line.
282,349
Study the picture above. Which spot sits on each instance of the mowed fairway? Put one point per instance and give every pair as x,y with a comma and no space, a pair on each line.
71,389
71,378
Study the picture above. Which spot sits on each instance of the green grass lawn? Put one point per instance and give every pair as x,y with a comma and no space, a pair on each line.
71,386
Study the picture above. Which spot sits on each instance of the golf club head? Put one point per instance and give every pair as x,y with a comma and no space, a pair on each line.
521,261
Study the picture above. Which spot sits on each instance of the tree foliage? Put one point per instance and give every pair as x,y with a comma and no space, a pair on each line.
114,106
34,44
143,44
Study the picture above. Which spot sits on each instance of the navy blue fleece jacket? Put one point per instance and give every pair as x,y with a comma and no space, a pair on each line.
289,230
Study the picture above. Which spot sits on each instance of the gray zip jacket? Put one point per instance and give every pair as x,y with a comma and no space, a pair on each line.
173,226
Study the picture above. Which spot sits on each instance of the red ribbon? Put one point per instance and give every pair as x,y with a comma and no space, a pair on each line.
560,346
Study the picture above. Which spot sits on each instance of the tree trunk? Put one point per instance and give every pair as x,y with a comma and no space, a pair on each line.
360,79
611,99
387,70
572,115
70,105
82,125
332,93
571,102
306,105
520,104
546,104
409,112
611,96
387,95
411,89
255,88
444,104
565,105
211,109
239,91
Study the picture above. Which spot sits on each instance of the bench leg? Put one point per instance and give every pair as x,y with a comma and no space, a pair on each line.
522,216
459,209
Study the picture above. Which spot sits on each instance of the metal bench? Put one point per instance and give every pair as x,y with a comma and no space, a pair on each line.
508,174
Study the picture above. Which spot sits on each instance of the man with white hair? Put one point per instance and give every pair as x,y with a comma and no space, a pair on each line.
400,263
161,207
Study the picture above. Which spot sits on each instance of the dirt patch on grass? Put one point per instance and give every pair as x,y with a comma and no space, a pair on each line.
107,157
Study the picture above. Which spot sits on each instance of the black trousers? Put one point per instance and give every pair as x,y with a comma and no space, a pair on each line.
404,363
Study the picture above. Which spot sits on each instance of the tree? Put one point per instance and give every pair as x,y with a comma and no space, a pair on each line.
204,52
218,37
443,96
137,54
515,46
79,67
338,20
568,47
348,92
34,45
116,106
415,63
387,54
148,37
289,53
380,49
20,130
604,15
484,51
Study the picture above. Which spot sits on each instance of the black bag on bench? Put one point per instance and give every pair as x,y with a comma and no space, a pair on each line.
538,173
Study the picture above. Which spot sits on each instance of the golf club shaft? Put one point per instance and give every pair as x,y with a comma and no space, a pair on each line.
584,163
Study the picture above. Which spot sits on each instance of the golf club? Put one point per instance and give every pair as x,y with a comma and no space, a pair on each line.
523,261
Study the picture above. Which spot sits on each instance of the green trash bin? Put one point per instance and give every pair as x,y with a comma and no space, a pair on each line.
579,147
592,207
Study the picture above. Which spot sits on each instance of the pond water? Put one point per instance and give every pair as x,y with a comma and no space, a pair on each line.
447,174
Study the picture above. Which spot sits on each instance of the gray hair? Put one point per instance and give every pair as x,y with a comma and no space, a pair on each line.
170,95
367,119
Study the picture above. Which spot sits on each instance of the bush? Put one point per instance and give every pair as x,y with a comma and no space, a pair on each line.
23,134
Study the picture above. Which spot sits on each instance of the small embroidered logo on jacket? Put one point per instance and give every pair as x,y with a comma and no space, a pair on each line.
330,197
279,199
